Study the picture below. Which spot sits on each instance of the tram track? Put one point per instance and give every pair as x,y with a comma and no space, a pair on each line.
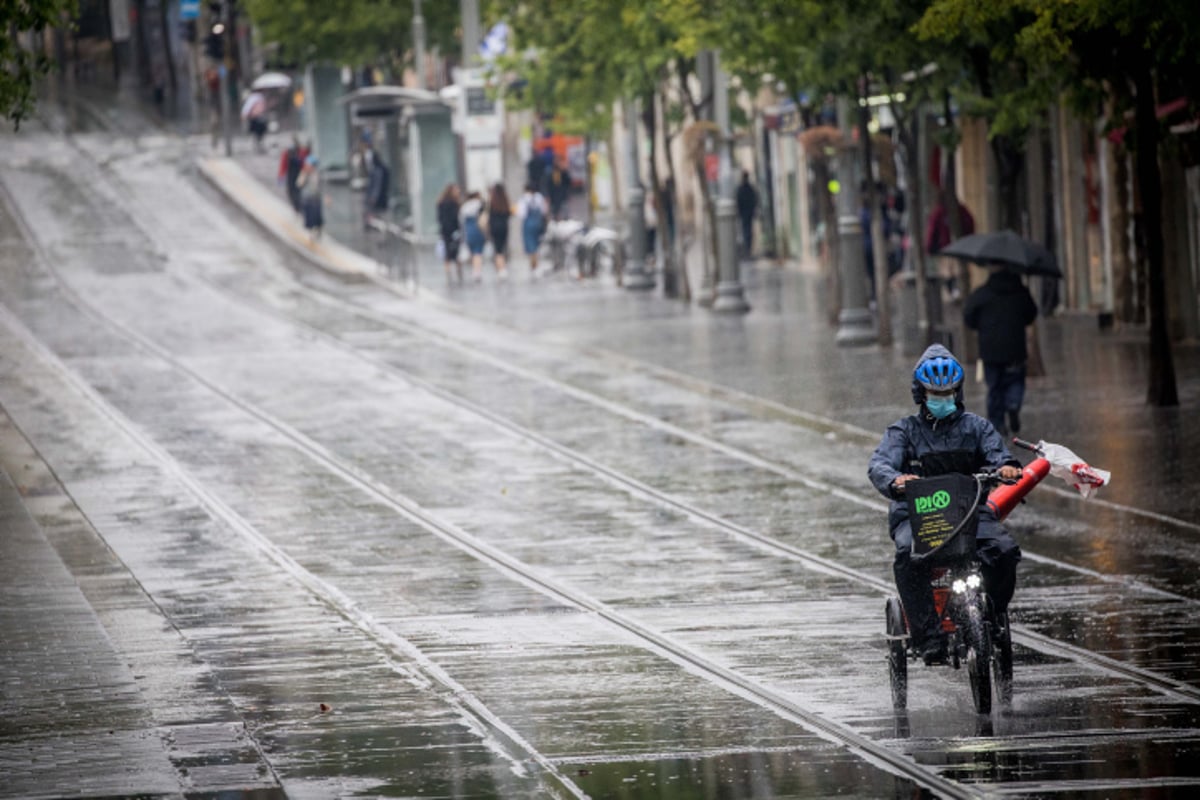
657,642
681,654
1022,634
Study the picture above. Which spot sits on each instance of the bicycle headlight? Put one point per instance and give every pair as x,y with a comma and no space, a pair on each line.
959,586
974,581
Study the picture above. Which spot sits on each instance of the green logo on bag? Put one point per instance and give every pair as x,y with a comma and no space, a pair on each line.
934,502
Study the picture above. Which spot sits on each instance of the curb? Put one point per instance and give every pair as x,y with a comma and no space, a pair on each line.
277,219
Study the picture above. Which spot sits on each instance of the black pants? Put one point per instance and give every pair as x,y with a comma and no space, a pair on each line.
1005,390
998,555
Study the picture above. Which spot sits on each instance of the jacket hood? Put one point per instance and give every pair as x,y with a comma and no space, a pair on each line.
934,351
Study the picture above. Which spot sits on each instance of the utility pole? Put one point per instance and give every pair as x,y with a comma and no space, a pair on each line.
470,32
636,276
708,250
419,45
854,320
226,35
730,297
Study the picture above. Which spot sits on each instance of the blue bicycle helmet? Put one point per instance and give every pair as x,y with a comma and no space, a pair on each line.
939,374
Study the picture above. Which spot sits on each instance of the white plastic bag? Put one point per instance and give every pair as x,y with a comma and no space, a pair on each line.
1069,467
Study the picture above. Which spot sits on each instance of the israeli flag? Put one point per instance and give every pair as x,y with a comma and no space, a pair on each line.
495,43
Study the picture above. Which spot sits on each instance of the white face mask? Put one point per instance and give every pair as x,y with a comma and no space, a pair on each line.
941,407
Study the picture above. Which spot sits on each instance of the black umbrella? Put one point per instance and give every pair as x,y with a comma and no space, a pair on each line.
1004,248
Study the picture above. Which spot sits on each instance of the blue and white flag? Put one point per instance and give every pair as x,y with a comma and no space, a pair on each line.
495,43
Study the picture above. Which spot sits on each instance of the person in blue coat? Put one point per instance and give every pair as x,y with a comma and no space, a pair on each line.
942,437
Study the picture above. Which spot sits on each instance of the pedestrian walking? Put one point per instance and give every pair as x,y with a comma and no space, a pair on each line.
558,187
447,214
999,311
747,207
313,201
499,212
290,165
471,216
212,80
376,196
535,169
532,211
254,112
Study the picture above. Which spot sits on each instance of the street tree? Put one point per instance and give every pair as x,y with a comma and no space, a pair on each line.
377,32
575,61
20,67
1111,57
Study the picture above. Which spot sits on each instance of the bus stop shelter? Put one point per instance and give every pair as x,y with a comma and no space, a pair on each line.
410,129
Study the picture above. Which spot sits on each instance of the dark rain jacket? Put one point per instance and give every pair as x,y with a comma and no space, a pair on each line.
923,445
1000,310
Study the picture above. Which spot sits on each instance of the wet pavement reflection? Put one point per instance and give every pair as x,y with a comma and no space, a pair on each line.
418,554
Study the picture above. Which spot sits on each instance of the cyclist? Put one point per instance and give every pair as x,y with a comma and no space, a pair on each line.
941,438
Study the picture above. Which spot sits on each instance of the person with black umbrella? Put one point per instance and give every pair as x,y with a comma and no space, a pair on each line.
1000,310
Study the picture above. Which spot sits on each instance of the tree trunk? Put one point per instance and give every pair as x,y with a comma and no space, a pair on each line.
669,269
650,121
1010,161
588,178
1162,390
1123,266
676,257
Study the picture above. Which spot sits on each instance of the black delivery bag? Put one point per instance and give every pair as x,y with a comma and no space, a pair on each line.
937,507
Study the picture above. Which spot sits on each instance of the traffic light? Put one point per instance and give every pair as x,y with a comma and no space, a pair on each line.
214,43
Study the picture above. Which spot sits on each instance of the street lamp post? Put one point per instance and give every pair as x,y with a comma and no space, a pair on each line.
854,320
730,297
226,69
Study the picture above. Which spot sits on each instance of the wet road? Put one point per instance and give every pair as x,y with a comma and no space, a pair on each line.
398,550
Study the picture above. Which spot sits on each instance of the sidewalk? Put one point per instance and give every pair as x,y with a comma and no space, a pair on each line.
783,351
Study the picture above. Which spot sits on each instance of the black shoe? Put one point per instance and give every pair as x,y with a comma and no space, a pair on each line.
934,650
1014,421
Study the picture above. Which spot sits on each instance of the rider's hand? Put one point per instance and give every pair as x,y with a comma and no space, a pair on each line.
899,481
1010,473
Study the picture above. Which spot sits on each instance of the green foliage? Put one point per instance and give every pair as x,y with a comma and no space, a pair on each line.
351,31
576,59
1087,48
19,67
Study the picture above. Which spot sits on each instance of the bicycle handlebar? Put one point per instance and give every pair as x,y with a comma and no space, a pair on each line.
993,477
1030,446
